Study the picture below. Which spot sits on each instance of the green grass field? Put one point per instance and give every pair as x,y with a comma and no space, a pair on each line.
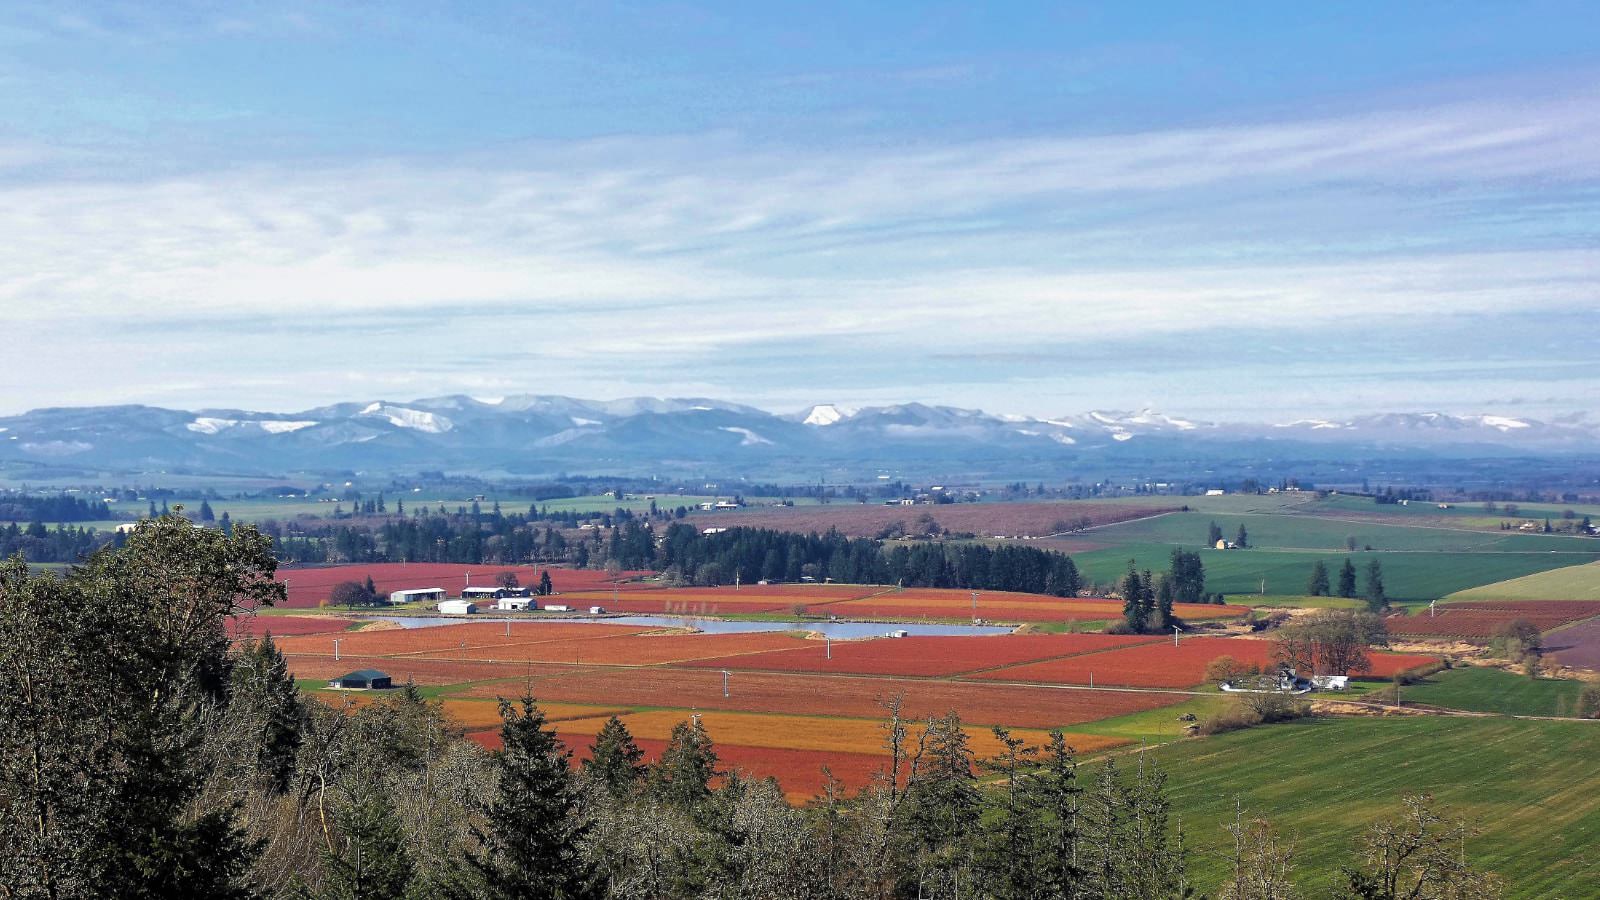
1408,575
1533,787
1483,689
1570,583
1293,530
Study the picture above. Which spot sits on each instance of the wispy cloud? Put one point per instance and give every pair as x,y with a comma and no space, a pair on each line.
676,249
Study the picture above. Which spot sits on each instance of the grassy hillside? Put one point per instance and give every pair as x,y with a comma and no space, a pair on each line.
1533,787
1482,689
1570,583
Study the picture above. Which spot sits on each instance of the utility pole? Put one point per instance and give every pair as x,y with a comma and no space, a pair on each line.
1175,631
827,645
974,604
725,674
336,649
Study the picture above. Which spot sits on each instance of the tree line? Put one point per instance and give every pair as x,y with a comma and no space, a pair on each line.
16,506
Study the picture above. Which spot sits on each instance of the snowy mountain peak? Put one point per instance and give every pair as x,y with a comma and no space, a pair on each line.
824,414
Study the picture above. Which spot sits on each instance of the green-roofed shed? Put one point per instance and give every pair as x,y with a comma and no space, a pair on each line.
362,680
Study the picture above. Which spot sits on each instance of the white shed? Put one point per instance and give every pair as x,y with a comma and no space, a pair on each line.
414,595
457,607
513,604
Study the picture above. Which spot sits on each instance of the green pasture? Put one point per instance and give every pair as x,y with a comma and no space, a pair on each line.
1304,532
1484,689
1532,786
1569,583
1464,512
1407,575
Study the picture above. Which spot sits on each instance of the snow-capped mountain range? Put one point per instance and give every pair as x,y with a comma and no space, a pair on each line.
533,433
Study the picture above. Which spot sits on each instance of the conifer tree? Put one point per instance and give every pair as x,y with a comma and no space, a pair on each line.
370,861
1377,599
682,777
532,833
615,760
1318,585
1347,579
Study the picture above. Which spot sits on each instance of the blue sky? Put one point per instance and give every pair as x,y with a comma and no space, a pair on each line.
1235,211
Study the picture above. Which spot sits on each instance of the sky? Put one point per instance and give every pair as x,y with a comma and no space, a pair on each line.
1242,211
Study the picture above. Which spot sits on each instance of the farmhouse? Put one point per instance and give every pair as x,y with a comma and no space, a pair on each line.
457,607
1215,492
415,595
362,680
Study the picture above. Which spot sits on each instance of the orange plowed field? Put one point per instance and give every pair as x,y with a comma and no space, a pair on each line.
978,703
476,715
387,641
310,587
799,772
926,655
808,732
283,626
1162,665
956,604
630,650
421,671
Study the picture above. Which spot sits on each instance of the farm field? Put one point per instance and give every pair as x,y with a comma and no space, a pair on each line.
1468,515
1576,645
852,697
981,519
768,721
1407,575
1161,665
1485,689
627,650
920,603
1299,531
1532,786
924,656
1569,583
1480,621
309,587
792,749
455,637
283,626
746,599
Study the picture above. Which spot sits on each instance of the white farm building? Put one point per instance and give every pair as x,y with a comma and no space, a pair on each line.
416,595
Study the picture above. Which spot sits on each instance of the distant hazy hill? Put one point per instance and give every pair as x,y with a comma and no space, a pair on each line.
545,433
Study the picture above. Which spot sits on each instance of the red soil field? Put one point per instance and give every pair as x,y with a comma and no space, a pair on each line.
387,641
632,650
421,671
711,601
978,703
1003,607
280,626
925,655
310,587
799,772
1480,621
1165,666
984,519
